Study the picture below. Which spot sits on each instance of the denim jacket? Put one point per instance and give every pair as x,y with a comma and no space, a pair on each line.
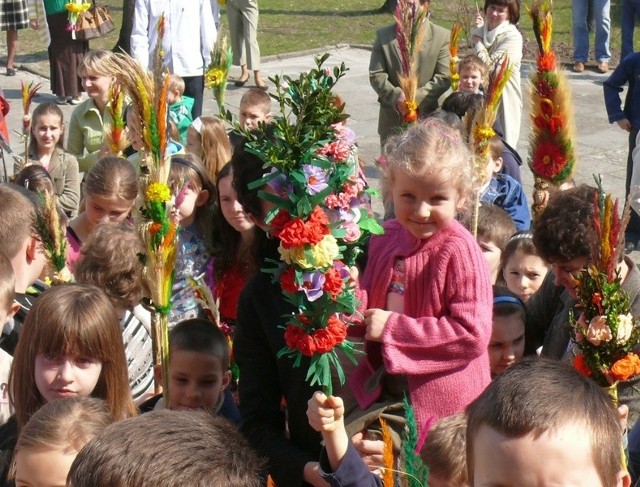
628,71
507,193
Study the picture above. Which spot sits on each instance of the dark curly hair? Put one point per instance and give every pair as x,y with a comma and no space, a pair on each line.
561,232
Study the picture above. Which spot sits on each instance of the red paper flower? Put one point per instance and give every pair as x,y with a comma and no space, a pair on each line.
293,234
548,160
288,281
324,341
296,338
318,217
278,222
333,283
337,328
580,366
547,61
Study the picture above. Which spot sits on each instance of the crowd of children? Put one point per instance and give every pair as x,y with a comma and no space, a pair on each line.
473,330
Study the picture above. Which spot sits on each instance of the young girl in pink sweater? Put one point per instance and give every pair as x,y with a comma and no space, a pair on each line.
427,286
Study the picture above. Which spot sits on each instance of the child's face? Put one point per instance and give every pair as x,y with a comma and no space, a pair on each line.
470,80
196,380
424,203
173,96
251,115
193,144
134,131
566,273
231,207
524,274
47,130
100,209
60,376
43,468
560,457
492,253
506,346
494,166
185,213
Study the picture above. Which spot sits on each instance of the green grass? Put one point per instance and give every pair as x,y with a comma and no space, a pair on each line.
292,25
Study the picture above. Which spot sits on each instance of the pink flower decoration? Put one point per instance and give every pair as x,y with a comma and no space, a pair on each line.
598,331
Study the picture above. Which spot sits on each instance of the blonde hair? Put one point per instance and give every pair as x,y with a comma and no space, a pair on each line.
445,449
71,319
66,424
18,210
7,284
473,62
432,147
176,83
112,177
255,97
214,144
97,62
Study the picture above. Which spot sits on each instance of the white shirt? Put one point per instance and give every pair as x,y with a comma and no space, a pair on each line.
190,33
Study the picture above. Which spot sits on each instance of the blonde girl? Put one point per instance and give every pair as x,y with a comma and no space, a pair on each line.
86,127
207,138
427,285
46,149
193,212
522,268
70,345
110,189
52,438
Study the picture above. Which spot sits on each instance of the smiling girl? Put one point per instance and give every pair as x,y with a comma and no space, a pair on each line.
70,345
47,150
110,189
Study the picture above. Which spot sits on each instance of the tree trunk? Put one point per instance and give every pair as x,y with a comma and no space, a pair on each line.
389,6
124,38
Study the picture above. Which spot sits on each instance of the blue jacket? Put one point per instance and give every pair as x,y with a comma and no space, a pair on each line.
628,71
507,193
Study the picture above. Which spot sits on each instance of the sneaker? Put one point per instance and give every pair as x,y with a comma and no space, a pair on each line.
61,100
75,101
603,67
578,67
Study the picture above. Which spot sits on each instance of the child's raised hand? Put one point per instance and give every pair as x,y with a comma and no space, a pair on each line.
326,414
479,20
375,319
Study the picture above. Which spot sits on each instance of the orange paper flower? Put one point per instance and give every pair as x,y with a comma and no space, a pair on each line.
626,367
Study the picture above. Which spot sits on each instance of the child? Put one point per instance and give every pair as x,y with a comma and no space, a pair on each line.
472,71
180,106
502,190
110,189
232,249
506,346
46,149
208,140
542,423
433,336
255,108
444,452
7,309
34,178
167,449
70,345
109,260
194,194
23,249
495,226
52,438
198,371
522,269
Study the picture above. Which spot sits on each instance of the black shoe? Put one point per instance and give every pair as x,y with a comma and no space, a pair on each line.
11,72
241,82
630,246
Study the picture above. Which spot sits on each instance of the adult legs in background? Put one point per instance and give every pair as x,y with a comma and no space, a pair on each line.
603,27
194,87
630,9
580,30
243,27
12,48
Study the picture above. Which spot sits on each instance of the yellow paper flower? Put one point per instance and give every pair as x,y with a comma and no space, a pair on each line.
158,192
77,8
318,256
214,77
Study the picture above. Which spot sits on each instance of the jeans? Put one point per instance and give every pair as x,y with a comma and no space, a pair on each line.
630,11
581,31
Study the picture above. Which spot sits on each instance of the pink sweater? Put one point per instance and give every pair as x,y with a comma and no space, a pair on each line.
440,343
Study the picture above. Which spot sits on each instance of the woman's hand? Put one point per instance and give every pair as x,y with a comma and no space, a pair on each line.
369,450
479,20
376,320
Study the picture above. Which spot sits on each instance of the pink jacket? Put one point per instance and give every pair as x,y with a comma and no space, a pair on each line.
440,343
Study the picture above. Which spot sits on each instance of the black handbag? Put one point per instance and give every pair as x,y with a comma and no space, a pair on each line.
95,22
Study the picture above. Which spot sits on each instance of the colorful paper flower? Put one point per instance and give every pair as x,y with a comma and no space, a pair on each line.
316,178
313,285
158,192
